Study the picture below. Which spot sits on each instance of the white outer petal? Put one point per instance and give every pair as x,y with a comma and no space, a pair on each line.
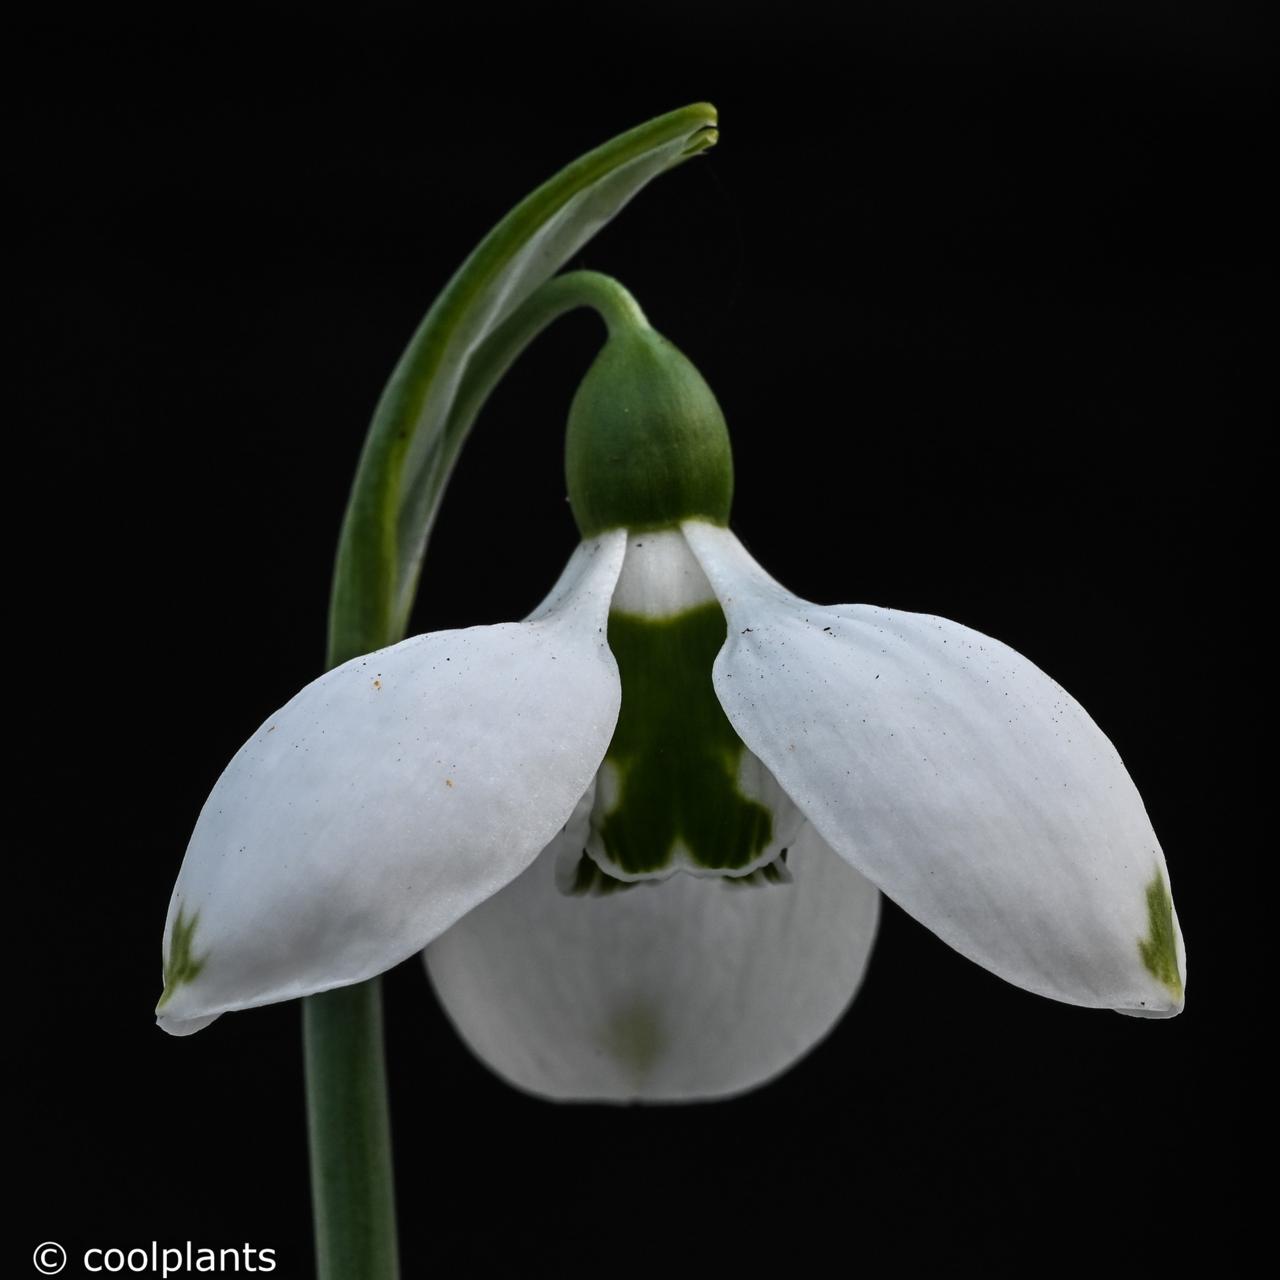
968,785
675,991
392,795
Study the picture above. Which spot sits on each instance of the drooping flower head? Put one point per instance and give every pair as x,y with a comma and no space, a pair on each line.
642,834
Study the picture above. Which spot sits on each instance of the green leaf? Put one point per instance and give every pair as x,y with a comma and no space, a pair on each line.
415,435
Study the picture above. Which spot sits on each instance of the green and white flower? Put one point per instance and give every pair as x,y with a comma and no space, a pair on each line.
642,834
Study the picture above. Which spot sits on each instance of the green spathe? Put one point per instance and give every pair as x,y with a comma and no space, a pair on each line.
647,444
419,426
675,754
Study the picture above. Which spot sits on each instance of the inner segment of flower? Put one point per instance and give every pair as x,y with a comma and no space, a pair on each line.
678,790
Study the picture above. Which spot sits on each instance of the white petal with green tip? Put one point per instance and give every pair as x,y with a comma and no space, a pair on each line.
389,798
675,991
962,780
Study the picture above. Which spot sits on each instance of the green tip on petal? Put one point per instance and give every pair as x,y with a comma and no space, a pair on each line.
182,965
1159,950
636,1038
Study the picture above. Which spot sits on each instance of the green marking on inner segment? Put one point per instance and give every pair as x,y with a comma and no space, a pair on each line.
1159,950
675,752
589,879
181,964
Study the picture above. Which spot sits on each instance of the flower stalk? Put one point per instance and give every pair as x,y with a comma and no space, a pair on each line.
349,1128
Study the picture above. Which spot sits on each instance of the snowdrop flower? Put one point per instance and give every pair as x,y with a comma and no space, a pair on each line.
643,833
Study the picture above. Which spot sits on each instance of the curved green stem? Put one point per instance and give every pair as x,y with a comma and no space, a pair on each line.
399,480
500,350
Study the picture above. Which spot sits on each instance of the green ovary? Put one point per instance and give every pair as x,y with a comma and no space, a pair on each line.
675,758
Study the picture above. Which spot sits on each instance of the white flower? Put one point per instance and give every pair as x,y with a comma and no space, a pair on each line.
457,788
642,834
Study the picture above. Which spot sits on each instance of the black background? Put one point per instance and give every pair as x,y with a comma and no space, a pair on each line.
975,285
